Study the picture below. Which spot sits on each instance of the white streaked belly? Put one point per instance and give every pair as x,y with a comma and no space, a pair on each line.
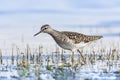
81,45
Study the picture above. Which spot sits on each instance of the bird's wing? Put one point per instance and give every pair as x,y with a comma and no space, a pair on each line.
78,37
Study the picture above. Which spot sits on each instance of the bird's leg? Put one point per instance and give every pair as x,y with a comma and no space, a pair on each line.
72,58
83,58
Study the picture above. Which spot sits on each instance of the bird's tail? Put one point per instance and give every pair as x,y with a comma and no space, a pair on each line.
92,38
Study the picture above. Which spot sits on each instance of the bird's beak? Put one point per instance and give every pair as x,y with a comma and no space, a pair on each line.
37,33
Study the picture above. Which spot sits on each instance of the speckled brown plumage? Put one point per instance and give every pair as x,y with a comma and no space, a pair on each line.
69,40
78,37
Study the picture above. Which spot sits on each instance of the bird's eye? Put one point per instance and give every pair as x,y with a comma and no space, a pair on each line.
45,28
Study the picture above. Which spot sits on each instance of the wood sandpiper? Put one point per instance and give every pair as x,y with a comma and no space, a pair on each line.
72,41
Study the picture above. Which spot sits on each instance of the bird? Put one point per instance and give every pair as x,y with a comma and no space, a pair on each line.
68,40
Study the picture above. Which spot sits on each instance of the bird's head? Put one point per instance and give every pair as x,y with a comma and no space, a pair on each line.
45,29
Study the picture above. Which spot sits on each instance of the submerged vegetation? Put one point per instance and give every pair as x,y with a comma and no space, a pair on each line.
35,64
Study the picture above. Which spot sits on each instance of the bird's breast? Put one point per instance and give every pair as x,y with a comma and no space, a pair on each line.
63,42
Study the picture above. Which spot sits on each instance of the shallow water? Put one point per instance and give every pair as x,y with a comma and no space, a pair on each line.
59,67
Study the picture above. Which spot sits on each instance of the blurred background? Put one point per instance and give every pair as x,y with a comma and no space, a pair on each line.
21,19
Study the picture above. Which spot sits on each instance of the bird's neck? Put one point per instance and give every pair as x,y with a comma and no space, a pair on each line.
54,33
